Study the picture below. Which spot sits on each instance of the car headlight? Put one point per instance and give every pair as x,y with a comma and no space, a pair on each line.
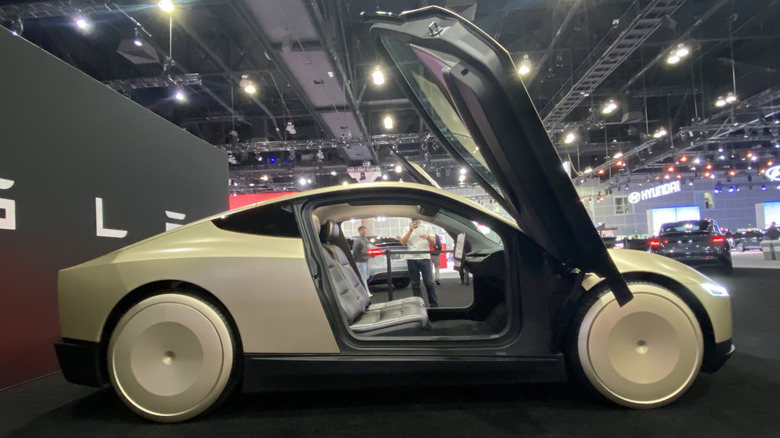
716,290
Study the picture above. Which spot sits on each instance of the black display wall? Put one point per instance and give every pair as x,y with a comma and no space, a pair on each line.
83,171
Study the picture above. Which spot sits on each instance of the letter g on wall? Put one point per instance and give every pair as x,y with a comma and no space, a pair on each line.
7,220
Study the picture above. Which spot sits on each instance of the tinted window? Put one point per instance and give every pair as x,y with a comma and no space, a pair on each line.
276,219
686,226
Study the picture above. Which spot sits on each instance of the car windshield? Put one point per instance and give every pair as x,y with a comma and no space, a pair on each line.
685,227
418,67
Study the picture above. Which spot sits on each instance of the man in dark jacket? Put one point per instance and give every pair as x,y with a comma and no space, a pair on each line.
772,233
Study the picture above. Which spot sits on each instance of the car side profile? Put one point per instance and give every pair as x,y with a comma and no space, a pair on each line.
746,239
267,297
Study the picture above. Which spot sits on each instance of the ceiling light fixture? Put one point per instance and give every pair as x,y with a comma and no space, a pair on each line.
82,23
166,6
388,122
378,76
525,66
609,107
569,138
660,132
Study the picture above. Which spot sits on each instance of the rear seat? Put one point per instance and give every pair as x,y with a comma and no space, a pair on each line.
396,316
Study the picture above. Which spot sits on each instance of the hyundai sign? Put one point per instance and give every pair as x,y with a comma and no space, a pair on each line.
773,173
654,192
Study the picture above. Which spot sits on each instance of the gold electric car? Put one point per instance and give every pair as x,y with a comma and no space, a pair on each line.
268,298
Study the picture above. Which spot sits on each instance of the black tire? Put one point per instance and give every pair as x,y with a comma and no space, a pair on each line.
400,283
645,354
173,356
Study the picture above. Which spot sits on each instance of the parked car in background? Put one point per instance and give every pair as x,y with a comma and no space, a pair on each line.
747,238
377,261
698,243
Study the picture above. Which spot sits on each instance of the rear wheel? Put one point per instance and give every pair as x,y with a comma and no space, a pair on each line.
173,356
645,354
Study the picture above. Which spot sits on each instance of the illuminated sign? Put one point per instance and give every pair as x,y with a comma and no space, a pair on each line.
773,173
655,192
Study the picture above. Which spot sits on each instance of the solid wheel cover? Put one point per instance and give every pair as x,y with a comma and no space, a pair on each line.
170,357
645,354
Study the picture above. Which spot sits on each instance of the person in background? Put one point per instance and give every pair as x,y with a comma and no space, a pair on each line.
360,254
435,260
464,273
420,237
772,233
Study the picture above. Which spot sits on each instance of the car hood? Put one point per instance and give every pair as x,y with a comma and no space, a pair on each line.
466,88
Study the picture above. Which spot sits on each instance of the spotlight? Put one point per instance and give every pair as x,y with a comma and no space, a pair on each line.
180,96
82,23
525,66
721,102
570,137
609,107
731,189
763,188
660,132
333,173
398,168
166,6
388,122
378,76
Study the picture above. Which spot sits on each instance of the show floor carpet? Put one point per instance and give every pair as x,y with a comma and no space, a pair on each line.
741,400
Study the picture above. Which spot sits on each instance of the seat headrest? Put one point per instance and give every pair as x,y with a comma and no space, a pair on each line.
315,221
329,232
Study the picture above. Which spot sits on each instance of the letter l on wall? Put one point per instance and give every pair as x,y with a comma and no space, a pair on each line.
100,231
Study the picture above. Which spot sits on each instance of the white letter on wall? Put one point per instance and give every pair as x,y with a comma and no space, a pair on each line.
99,230
9,205
175,216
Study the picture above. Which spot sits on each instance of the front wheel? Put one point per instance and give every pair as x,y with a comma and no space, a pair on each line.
645,354
173,356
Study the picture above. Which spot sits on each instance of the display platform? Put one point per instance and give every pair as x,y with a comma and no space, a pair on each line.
741,400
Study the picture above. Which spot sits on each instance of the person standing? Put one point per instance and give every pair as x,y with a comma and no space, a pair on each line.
360,254
420,237
435,260
772,233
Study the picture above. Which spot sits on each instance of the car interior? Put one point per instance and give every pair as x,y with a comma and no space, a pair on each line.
485,316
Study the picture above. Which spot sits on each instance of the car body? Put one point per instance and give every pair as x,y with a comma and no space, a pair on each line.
266,297
698,242
377,261
748,238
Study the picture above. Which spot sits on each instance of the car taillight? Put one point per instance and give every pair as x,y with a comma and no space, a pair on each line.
717,239
375,252
655,242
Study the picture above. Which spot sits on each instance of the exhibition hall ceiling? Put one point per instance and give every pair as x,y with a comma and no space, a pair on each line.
629,90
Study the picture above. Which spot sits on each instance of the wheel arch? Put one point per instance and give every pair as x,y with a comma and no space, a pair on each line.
148,290
676,287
